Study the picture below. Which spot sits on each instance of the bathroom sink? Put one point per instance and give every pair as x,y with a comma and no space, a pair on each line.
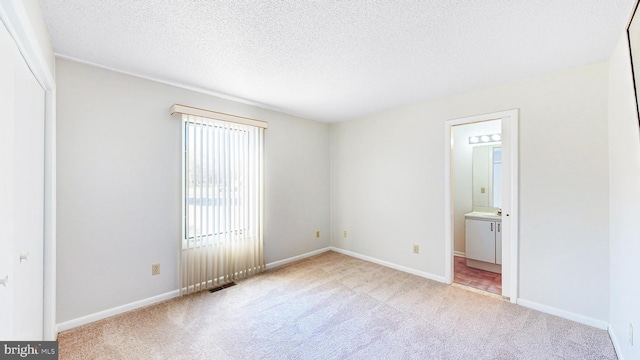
483,215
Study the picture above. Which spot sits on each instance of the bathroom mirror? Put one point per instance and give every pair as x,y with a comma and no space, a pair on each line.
487,176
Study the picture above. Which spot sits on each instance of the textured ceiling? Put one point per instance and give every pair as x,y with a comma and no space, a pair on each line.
333,60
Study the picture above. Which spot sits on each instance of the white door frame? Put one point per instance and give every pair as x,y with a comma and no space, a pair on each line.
510,215
15,18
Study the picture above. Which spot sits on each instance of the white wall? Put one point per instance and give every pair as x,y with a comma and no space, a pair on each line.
388,187
463,174
624,200
119,186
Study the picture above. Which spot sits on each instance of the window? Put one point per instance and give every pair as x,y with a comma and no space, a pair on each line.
222,200
217,192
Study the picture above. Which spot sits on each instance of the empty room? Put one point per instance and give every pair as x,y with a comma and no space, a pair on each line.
262,179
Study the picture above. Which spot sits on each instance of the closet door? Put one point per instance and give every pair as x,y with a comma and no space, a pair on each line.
28,203
24,175
7,60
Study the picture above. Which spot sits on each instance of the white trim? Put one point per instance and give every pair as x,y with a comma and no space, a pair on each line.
116,310
181,85
50,219
564,314
459,253
616,344
510,119
275,264
448,201
15,18
210,114
390,265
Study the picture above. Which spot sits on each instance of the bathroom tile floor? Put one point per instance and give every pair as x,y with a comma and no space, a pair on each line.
476,278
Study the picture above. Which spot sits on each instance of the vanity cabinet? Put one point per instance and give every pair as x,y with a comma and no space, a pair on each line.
483,239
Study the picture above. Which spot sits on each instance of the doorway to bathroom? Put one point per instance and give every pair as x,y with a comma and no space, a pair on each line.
481,203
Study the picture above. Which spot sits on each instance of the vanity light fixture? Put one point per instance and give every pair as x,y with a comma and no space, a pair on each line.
483,139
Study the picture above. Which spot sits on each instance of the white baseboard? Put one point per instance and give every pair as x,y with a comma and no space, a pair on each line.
67,325
616,344
563,314
115,311
275,264
391,265
460,253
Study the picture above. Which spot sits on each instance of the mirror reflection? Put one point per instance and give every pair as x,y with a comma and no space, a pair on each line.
487,176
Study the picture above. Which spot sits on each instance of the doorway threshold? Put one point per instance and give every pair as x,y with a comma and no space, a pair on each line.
481,292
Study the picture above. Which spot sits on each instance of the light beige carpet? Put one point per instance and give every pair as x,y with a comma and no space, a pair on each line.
333,306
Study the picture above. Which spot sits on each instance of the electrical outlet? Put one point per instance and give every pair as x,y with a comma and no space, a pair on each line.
416,249
631,334
344,234
155,269
318,234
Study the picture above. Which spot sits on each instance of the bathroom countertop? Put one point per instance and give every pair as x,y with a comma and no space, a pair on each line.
483,216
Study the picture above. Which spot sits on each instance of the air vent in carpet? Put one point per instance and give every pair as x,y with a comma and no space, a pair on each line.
223,286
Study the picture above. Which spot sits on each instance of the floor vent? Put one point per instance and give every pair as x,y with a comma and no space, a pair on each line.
223,286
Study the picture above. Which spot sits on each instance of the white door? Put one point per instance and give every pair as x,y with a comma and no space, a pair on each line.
6,183
22,195
499,243
28,203
510,215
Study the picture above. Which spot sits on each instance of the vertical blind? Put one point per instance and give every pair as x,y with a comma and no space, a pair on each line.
222,238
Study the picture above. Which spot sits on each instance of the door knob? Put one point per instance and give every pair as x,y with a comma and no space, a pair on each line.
3,281
24,257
